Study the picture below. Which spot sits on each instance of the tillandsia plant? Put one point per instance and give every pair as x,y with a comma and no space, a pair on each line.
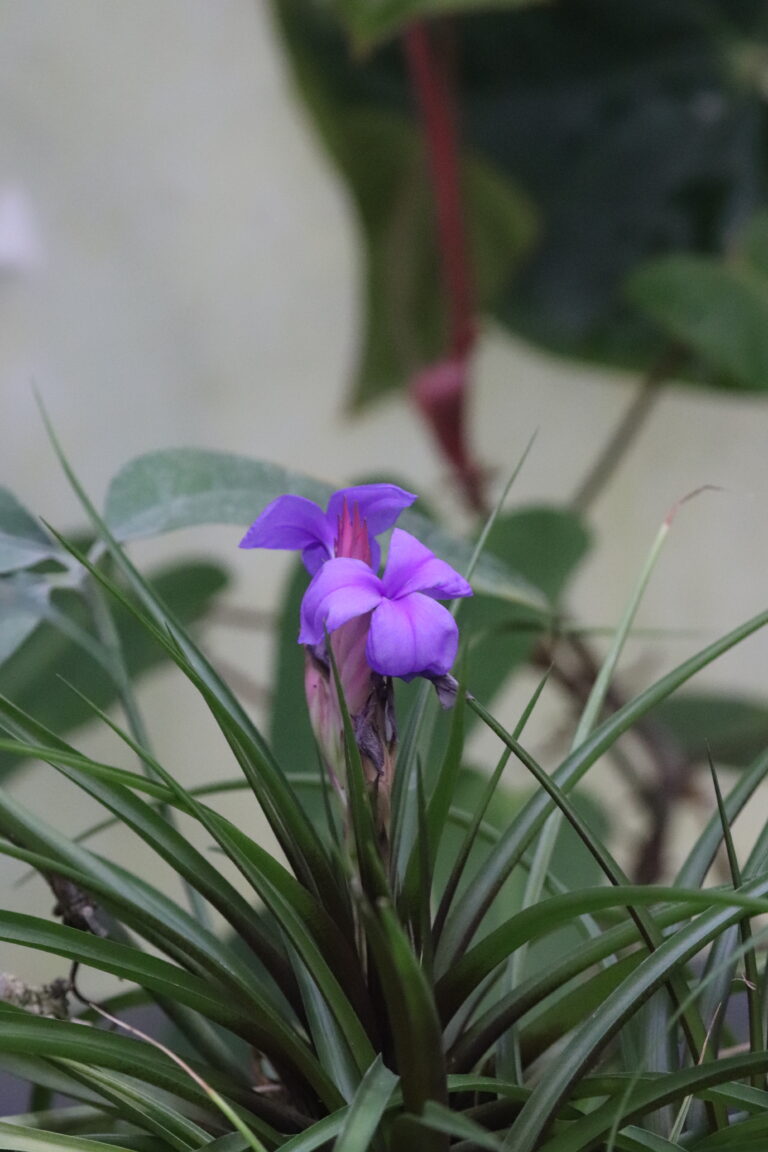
406,974
372,628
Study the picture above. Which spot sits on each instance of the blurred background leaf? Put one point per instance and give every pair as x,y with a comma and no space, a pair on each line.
717,308
546,545
22,540
735,728
180,487
34,675
635,131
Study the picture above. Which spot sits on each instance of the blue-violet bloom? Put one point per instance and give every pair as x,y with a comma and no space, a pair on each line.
409,634
298,524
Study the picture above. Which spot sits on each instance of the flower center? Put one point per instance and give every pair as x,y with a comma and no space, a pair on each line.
352,538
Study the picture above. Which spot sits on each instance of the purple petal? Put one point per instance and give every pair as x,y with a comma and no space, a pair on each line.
379,504
411,567
412,636
341,590
291,522
314,556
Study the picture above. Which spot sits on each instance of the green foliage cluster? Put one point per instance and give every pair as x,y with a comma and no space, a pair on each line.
499,984
614,173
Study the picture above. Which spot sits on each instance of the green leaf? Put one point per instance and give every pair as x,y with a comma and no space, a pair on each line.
146,1111
469,912
265,1029
591,1038
383,161
735,728
753,244
652,168
719,312
441,1119
38,674
24,602
550,914
367,22
110,787
545,545
513,1005
290,733
366,1109
69,1047
411,1010
181,487
22,540
702,854
14,1138
649,1095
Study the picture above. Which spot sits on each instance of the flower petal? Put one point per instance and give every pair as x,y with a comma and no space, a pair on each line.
412,636
291,522
379,504
314,556
342,589
411,567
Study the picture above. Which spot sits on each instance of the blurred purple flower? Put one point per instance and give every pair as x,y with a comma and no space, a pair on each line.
295,523
410,634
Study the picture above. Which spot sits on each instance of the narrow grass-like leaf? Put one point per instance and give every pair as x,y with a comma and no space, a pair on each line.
702,854
60,1042
366,1109
591,1038
134,901
473,829
301,917
411,1010
147,1112
751,975
14,1138
545,842
648,1095
367,837
514,1005
266,1029
278,800
633,1139
438,1118
111,788
549,915
471,909
421,723
693,1028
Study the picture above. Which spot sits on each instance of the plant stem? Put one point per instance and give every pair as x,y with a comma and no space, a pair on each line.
440,389
628,428
430,78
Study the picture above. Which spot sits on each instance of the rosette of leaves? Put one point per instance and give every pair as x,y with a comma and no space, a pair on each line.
351,1005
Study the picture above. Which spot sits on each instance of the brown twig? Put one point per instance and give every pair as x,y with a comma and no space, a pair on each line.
630,424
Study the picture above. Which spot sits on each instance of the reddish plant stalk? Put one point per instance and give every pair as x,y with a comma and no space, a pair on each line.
430,78
440,389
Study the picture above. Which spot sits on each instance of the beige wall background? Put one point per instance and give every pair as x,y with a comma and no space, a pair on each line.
190,276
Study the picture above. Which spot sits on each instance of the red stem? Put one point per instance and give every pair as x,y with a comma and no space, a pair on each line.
440,389
429,75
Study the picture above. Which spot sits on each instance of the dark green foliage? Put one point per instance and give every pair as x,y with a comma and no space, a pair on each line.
374,998
629,132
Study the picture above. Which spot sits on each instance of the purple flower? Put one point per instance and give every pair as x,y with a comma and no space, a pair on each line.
410,634
295,523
